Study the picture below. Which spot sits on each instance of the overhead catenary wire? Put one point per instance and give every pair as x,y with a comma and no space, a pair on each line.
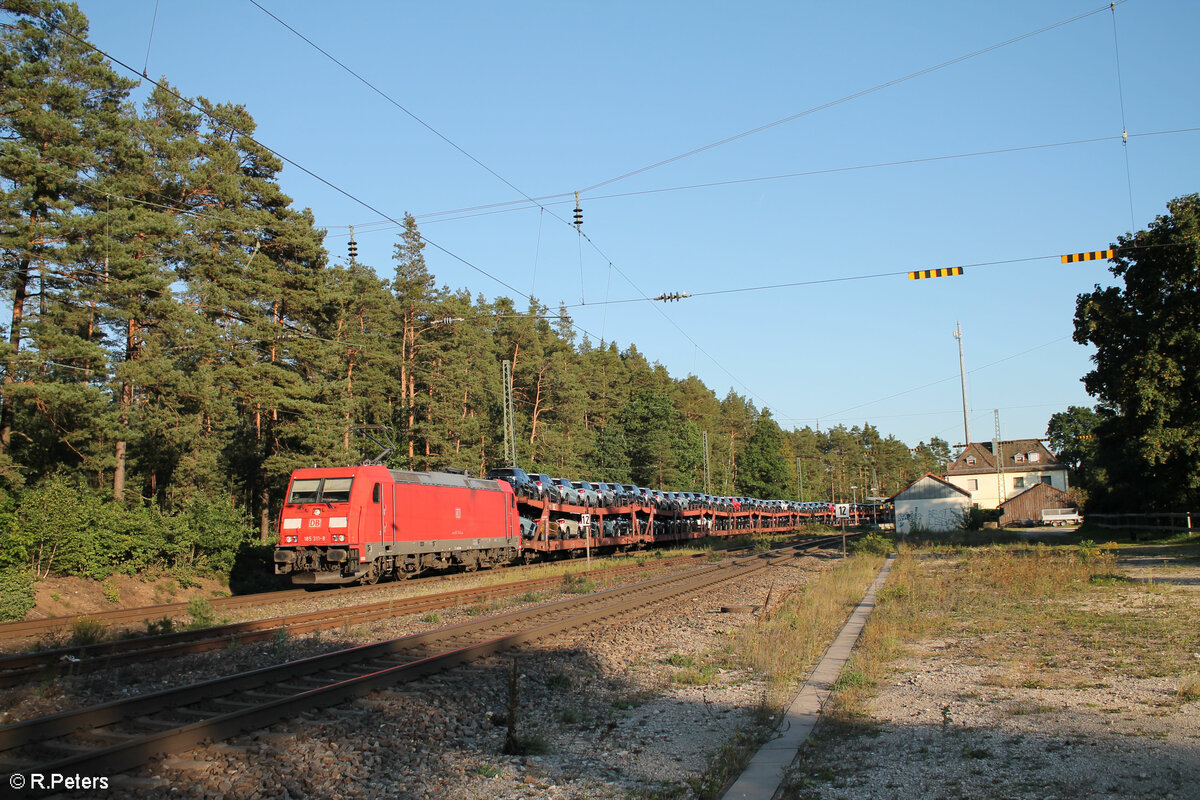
504,207
727,140
150,40
1124,126
656,307
326,182
436,246
577,216
372,208
393,101
854,96
868,276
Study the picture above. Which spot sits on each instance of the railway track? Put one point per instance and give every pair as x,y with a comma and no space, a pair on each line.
37,665
116,618
119,735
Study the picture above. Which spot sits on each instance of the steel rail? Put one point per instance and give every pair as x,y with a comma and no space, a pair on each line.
264,696
21,667
24,629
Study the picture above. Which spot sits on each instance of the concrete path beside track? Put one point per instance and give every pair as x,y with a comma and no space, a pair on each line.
765,773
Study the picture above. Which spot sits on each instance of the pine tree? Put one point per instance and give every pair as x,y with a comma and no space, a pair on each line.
59,100
414,289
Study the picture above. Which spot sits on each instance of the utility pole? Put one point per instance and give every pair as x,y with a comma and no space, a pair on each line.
962,374
730,467
707,468
800,478
510,425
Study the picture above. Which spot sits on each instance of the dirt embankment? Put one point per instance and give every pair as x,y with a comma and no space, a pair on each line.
57,597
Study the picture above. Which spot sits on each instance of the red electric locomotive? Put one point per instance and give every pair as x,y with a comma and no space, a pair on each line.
358,524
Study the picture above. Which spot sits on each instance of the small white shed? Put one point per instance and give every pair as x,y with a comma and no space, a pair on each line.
930,504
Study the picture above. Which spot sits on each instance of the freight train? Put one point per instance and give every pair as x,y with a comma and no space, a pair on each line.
358,524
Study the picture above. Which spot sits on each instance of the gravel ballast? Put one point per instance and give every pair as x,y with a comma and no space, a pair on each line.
602,713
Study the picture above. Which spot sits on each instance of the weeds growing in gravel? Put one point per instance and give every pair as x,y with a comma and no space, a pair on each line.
577,584
788,640
1020,599
702,675
728,763
201,613
558,681
87,630
875,544
570,716
488,771
1189,688
526,746
481,608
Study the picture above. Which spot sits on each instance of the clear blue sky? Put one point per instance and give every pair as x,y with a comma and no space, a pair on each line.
555,97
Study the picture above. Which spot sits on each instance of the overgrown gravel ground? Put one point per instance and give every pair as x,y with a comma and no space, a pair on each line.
1006,715
615,710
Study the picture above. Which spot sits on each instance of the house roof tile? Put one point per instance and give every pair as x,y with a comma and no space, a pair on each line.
985,460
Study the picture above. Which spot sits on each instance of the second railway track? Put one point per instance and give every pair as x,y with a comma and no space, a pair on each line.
40,664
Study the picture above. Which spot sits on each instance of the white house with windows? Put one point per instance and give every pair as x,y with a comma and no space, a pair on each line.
1022,463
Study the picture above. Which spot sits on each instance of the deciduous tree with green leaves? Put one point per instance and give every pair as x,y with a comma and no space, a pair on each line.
1147,364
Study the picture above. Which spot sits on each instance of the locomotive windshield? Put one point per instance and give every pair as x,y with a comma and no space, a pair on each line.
320,490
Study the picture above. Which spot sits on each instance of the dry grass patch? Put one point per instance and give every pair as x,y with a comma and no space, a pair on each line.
1019,608
786,642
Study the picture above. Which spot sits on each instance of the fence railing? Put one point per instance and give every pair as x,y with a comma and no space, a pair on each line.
1176,521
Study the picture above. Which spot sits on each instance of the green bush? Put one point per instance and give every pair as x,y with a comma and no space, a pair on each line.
64,526
58,527
16,592
200,613
206,534
874,544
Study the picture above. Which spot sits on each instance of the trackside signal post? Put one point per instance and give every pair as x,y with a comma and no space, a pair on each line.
842,513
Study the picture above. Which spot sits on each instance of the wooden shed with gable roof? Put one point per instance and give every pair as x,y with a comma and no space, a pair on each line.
1028,506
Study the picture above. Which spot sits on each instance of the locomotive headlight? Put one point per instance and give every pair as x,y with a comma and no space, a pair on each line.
291,524
337,522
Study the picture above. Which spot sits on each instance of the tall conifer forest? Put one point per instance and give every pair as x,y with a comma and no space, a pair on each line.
178,339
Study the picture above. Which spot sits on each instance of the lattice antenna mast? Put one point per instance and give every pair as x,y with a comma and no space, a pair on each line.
510,426
998,451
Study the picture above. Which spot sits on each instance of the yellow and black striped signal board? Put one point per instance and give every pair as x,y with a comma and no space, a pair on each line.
1095,255
944,272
